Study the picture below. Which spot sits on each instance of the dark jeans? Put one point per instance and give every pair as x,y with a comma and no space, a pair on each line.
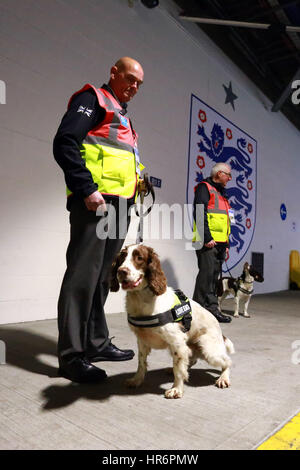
210,264
81,318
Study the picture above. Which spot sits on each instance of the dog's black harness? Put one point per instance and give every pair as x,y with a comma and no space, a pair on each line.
180,312
245,291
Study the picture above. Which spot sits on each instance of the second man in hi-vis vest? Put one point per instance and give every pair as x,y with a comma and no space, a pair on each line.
96,146
217,213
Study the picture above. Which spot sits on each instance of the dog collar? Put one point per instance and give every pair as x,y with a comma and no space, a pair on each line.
245,291
180,312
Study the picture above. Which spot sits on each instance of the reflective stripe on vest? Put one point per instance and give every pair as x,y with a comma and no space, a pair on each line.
109,149
217,217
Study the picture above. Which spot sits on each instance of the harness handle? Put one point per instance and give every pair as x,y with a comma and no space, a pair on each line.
145,187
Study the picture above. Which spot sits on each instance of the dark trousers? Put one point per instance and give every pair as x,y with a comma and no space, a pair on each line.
210,265
81,319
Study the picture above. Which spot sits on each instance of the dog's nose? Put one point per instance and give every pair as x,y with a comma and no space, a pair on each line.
123,273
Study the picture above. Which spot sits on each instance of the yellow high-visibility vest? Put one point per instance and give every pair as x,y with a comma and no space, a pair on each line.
217,217
110,149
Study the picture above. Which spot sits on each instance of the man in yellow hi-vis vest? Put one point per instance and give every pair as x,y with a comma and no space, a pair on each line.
96,146
211,193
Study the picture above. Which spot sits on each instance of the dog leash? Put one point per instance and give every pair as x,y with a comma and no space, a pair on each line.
144,189
228,270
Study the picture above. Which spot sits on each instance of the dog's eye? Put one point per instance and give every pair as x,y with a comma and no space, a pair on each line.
139,258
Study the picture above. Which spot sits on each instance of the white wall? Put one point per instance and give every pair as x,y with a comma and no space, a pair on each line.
50,48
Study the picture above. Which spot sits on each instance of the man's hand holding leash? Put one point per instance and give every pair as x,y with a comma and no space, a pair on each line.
94,200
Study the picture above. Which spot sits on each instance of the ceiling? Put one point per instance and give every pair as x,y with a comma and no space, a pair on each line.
269,57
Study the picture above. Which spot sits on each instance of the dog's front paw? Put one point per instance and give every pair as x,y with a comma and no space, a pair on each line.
246,315
236,315
222,382
134,382
174,393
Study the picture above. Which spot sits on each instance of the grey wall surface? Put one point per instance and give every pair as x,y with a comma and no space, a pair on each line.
51,48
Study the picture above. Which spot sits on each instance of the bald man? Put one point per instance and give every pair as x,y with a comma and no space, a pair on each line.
96,147
211,193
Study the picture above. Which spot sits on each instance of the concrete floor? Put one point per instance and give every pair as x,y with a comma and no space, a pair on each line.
39,410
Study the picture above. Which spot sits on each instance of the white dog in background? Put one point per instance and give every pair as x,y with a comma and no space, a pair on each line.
241,288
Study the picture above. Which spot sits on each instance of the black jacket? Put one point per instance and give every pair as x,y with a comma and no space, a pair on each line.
73,128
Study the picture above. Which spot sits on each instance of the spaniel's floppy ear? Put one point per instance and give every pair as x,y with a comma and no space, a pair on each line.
156,279
113,282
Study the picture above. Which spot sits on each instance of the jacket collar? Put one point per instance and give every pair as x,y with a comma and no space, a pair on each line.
124,105
218,186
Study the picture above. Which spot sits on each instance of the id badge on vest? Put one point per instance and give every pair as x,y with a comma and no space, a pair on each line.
231,216
137,160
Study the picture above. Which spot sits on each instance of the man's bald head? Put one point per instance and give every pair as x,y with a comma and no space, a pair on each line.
126,76
127,62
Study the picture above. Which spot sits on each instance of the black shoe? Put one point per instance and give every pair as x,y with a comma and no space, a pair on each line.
81,370
111,353
221,318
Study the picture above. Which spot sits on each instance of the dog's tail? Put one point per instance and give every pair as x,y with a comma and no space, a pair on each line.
229,345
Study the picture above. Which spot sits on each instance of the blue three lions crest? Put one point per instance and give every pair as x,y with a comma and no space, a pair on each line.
214,139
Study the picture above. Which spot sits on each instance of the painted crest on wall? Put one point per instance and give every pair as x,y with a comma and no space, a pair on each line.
214,139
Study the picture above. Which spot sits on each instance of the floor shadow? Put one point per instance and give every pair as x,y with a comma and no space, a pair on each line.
58,396
228,312
23,349
231,312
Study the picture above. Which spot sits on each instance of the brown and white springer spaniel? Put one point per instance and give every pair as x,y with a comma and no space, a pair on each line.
137,268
